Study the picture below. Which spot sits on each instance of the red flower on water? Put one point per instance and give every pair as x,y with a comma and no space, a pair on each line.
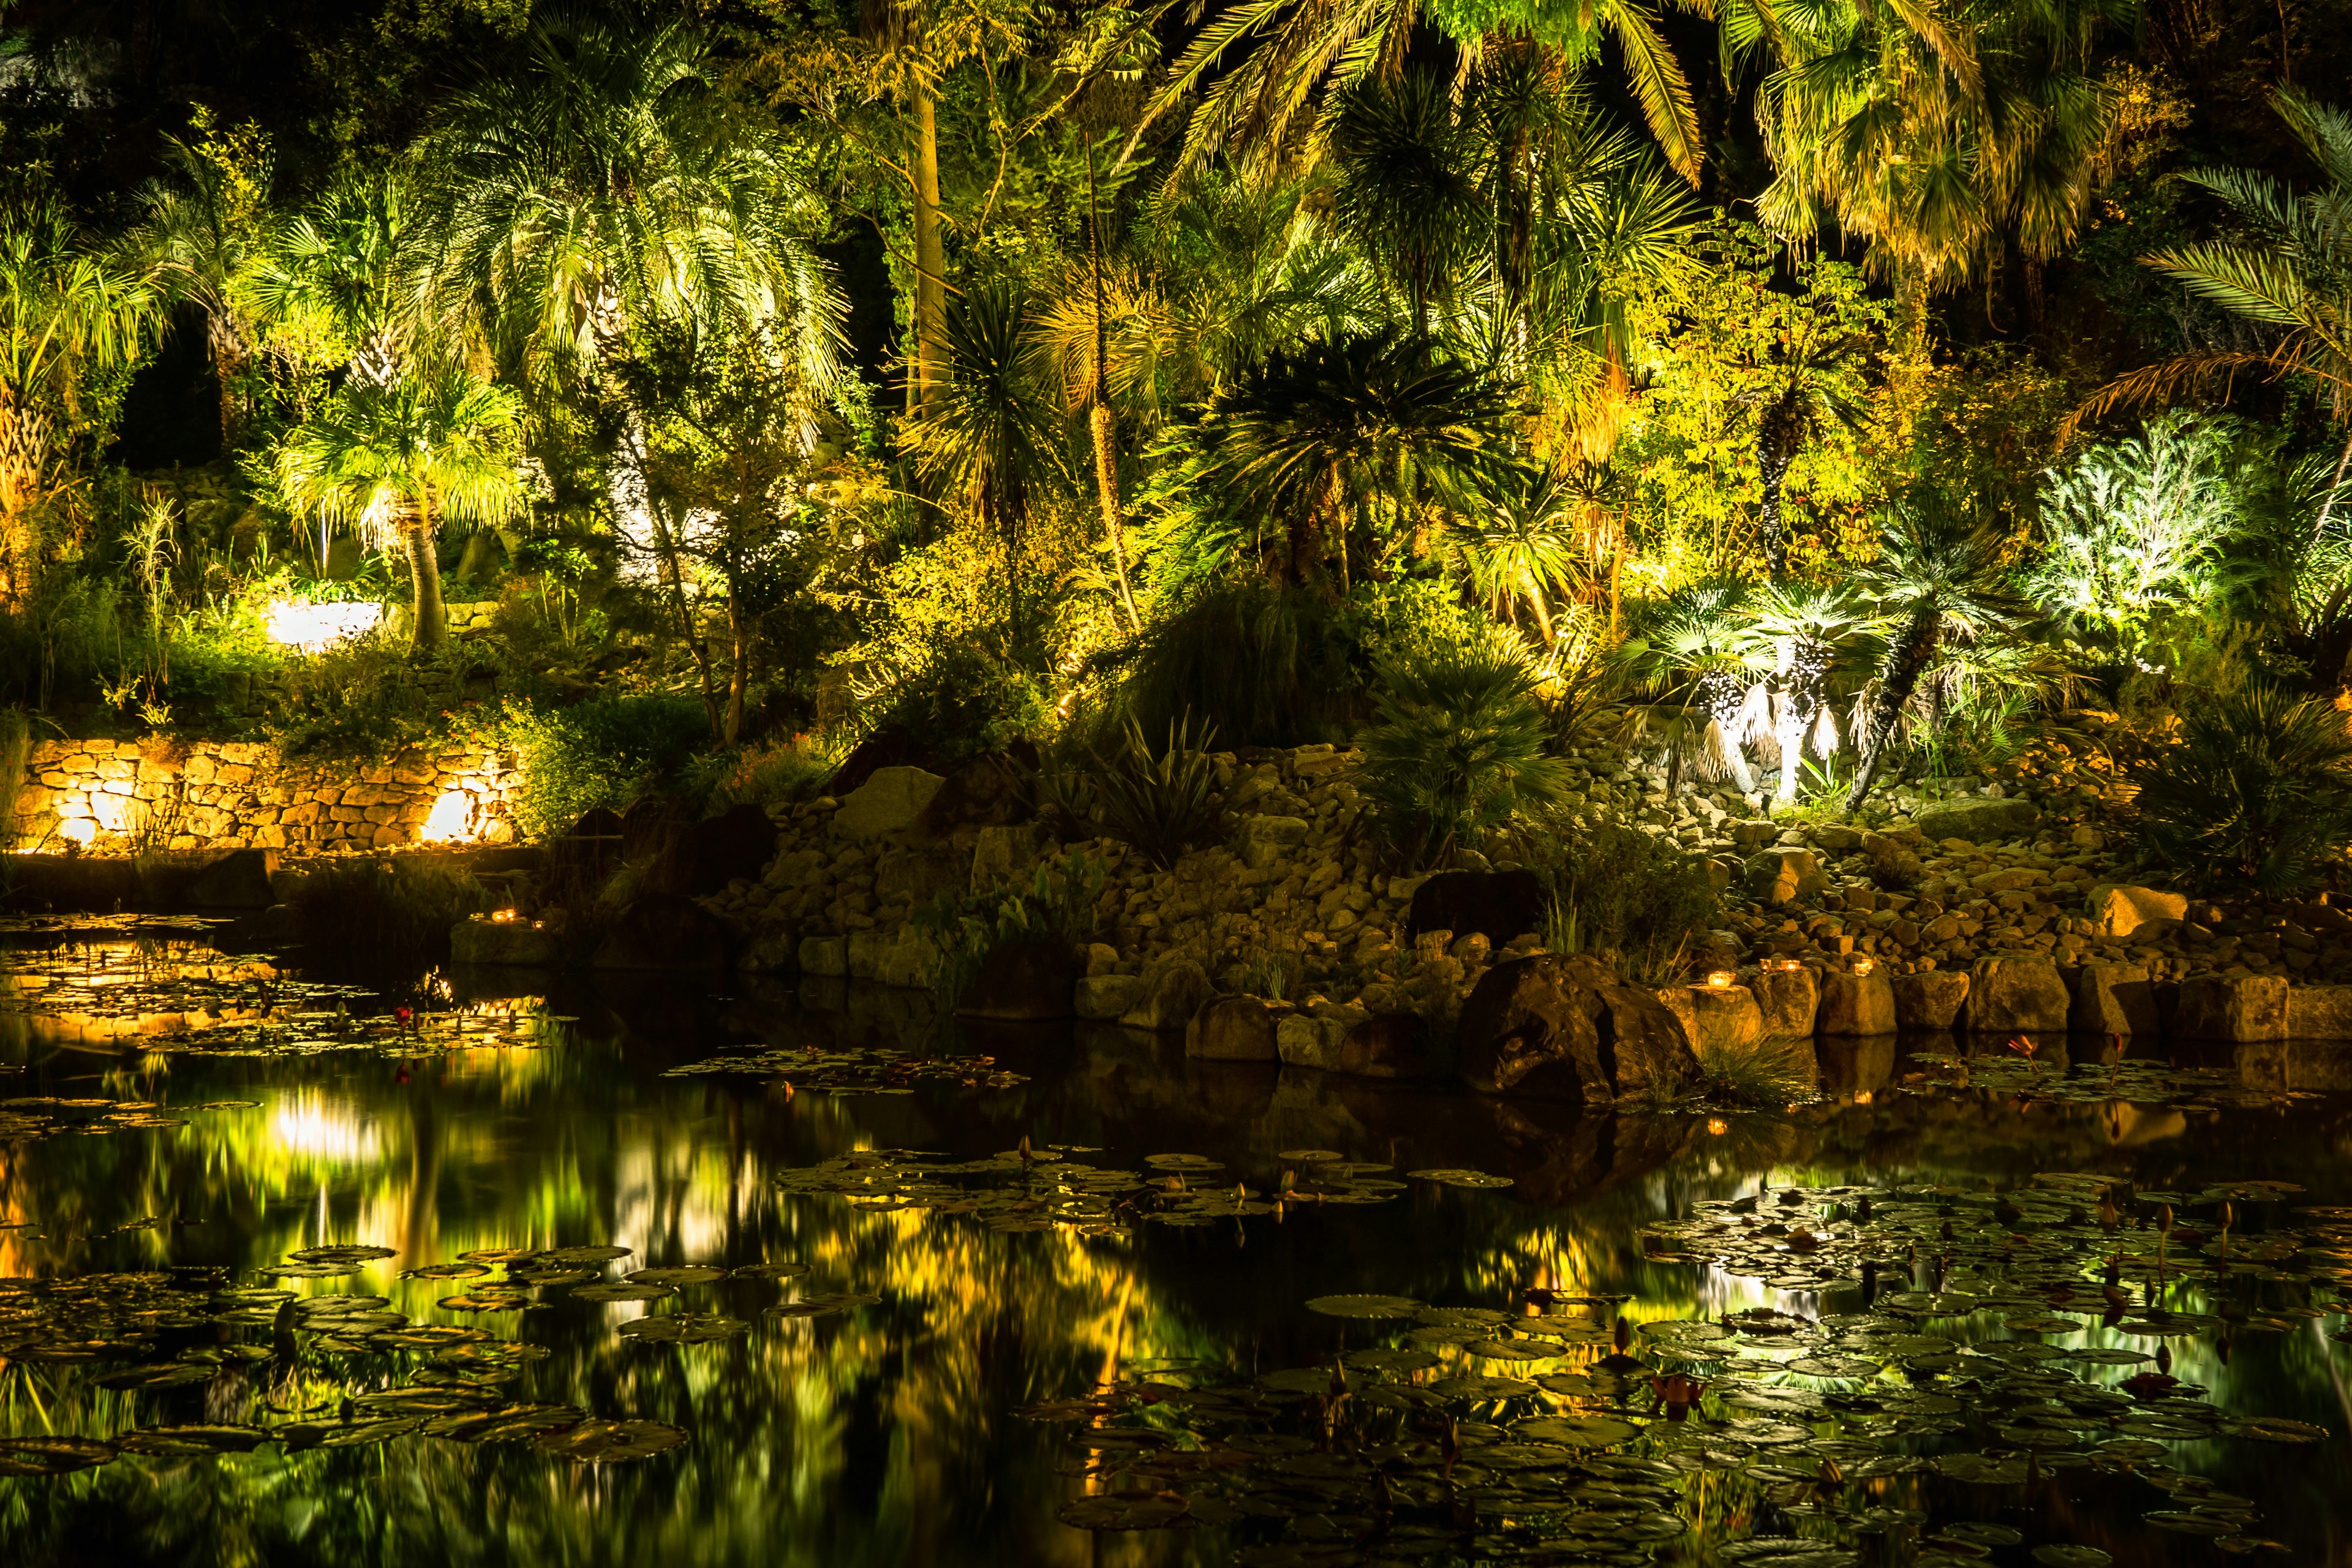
2021,1044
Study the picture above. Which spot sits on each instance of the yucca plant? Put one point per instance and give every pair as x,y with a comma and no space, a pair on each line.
1460,745
2256,796
1161,802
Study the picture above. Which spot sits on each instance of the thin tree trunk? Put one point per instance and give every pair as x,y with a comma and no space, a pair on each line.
738,677
1906,662
1102,422
930,258
432,628
24,443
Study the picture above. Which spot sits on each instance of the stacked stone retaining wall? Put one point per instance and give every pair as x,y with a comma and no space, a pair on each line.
118,796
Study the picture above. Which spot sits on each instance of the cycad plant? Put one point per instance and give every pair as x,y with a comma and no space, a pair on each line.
1939,576
1459,745
2256,796
396,462
1527,547
1698,657
1161,800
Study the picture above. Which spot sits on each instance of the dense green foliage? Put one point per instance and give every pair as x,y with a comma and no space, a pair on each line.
783,379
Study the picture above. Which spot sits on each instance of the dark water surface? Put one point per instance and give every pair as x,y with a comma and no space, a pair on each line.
892,1432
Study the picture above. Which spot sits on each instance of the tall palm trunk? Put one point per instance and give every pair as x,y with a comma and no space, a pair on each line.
23,445
432,628
930,257
1906,661
1102,422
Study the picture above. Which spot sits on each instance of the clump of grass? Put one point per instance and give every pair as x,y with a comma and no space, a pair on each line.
1159,803
1631,898
775,774
966,927
404,904
1763,1076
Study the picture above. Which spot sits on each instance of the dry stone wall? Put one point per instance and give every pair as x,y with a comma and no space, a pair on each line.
114,796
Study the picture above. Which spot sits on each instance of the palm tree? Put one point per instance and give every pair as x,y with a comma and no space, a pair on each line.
1813,387
1804,627
1698,655
350,264
2288,269
1296,54
397,462
605,181
1322,439
1941,132
72,313
1528,545
1406,188
207,232
1940,577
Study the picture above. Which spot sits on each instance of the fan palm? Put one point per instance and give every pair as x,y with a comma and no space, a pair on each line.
606,182
1804,627
1698,655
395,462
1528,546
1940,575
206,233
1295,54
1322,439
71,313
1941,131
350,263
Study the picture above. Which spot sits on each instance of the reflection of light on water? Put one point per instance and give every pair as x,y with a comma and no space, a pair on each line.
307,1124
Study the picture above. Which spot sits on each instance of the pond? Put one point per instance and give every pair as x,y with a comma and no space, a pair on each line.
345,1267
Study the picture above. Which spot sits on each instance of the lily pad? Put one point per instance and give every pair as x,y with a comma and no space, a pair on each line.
1364,1306
610,1442
52,1455
685,1329
1577,1431
822,1306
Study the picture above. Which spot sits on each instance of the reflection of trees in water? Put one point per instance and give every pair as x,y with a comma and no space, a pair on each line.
884,1436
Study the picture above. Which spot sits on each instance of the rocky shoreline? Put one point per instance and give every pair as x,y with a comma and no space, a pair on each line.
2000,909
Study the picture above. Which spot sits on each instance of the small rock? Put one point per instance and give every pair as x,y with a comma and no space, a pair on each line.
1783,876
888,802
1307,1042
1978,818
1107,995
2118,909
1169,1001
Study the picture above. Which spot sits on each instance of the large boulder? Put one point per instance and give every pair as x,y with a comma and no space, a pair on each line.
774,950
1555,1027
1856,1003
1977,818
1791,999
1716,1017
1500,904
663,930
1389,1044
1263,840
1931,999
2114,999
2119,911
1033,978
1233,1029
887,803
1101,996
237,879
1308,1042
2017,995
2319,1012
2248,1009
1781,876
1169,999
823,957
480,940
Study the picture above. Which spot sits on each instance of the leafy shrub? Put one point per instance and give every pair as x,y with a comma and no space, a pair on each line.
967,926
1162,805
769,774
1262,665
1630,896
2256,796
604,752
962,702
1459,746
402,903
